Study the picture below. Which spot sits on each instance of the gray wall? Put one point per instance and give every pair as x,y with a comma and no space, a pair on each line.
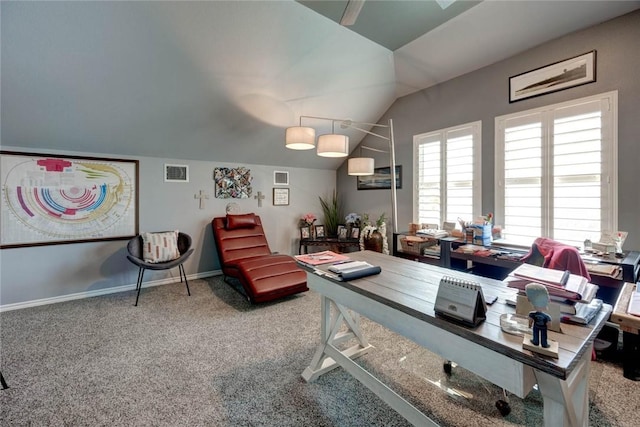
51,273
484,94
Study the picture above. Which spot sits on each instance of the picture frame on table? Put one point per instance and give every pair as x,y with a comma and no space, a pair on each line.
319,231
343,232
305,232
355,232
560,75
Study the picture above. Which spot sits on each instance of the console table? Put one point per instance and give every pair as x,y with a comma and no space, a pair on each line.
499,266
333,243
402,297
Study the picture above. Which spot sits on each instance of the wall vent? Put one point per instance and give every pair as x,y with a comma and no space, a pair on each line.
176,173
280,178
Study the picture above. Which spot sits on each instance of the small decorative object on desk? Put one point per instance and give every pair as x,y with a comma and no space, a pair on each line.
374,237
352,219
307,221
619,241
355,232
460,300
538,295
305,232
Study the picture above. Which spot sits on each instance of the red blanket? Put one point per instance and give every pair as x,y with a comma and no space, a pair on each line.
559,256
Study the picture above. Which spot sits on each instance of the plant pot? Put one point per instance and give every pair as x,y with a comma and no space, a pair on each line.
374,242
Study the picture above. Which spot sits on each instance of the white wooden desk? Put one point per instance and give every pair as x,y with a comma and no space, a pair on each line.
402,297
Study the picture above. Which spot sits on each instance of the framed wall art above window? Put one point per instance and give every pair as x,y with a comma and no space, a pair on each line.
561,75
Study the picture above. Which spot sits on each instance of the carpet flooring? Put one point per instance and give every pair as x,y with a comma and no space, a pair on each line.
212,359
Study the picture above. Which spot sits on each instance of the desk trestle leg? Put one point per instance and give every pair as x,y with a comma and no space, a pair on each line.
566,403
333,334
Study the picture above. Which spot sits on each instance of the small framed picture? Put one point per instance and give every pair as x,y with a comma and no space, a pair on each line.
342,232
280,197
355,232
319,231
305,232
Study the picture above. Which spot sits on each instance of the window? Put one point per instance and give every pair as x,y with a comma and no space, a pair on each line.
555,171
448,174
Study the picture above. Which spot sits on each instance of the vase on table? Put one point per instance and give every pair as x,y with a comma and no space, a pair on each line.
374,241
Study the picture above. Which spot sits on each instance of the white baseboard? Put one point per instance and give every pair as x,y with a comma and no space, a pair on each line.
106,291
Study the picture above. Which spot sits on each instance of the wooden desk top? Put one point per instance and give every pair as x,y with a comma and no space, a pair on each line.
627,322
411,288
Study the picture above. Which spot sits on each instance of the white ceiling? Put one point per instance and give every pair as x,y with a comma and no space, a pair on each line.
220,80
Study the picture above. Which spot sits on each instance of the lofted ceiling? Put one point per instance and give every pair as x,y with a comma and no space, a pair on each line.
391,23
221,80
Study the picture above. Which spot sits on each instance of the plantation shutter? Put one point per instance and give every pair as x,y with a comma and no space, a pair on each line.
554,171
448,174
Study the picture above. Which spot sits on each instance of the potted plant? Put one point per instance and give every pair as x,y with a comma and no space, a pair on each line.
332,210
374,237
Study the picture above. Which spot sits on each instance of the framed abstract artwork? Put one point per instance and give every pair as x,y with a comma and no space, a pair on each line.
234,183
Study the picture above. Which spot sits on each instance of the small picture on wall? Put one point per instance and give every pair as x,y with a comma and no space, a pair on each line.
319,231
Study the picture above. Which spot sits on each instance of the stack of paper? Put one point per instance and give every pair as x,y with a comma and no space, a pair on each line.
634,303
319,258
608,270
433,232
584,312
560,284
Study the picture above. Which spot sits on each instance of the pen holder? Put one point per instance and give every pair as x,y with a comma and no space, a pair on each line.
482,234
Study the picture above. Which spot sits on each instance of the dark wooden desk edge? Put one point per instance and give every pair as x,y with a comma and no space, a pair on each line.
536,362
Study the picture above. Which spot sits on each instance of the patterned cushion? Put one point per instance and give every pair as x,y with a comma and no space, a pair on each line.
160,247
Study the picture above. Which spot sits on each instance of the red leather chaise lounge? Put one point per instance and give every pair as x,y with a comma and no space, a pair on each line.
244,254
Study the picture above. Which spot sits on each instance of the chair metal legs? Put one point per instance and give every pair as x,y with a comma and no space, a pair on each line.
182,273
3,382
141,275
139,284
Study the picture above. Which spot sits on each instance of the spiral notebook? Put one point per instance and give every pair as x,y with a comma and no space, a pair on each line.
460,300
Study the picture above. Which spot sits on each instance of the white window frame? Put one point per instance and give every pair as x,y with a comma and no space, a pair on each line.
476,131
609,178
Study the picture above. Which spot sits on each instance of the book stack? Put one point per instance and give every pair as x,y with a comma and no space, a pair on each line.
433,232
573,294
560,284
354,270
